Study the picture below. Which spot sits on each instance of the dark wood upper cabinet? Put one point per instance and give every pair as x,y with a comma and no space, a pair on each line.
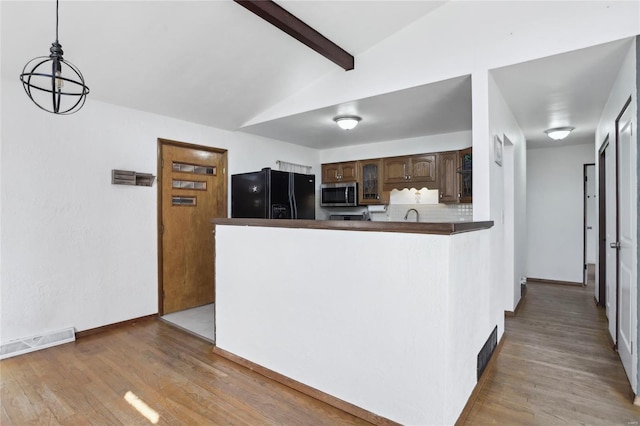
370,189
410,171
449,172
340,172
465,175
449,178
424,168
396,170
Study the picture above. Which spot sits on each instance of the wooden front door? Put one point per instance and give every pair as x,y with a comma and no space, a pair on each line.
192,189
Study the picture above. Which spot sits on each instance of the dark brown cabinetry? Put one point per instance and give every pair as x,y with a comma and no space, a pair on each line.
411,171
449,179
465,173
340,172
449,172
370,189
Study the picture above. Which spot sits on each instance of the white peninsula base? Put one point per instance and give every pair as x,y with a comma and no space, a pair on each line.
390,322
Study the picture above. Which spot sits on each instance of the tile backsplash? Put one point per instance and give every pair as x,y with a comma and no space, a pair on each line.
428,213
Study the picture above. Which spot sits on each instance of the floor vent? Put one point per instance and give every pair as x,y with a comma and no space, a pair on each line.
35,343
487,350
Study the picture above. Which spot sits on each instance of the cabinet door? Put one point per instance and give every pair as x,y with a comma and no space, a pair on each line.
349,172
424,169
448,178
370,183
465,173
396,171
330,173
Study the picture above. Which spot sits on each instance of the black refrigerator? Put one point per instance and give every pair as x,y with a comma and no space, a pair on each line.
272,194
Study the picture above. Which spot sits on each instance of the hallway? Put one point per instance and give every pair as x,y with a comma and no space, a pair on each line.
556,365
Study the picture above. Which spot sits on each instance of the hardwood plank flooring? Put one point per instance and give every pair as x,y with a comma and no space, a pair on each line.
173,373
556,366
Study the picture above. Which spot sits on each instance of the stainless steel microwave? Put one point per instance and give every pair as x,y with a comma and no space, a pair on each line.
339,194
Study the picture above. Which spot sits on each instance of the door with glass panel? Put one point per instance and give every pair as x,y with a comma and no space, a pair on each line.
192,190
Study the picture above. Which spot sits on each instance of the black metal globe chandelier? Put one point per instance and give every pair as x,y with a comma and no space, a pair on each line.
52,87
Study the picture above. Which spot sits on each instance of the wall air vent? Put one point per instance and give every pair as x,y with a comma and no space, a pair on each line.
487,350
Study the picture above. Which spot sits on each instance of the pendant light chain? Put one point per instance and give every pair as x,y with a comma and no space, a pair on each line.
57,5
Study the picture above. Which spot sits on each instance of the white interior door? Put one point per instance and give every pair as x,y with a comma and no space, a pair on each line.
626,244
610,177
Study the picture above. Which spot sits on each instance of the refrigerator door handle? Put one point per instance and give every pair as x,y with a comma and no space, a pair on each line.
290,195
295,207
292,189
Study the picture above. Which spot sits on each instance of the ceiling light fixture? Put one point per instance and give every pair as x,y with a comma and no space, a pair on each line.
347,122
47,86
559,133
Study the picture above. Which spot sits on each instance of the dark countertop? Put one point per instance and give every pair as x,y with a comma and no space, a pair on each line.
444,228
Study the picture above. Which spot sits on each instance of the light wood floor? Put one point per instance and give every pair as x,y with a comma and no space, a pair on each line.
172,372
556,366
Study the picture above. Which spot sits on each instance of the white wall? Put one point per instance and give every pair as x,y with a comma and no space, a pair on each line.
626,85
486,35
555,211
76,250
508,199
433,143
394,329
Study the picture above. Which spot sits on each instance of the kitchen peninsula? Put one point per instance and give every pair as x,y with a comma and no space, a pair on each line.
386,318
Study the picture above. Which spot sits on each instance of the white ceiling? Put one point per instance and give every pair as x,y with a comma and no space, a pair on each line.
209,62
430,109
217,64
570,89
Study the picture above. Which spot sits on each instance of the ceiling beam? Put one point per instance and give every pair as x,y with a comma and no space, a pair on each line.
290,24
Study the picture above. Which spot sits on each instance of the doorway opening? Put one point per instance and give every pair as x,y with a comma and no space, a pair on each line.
601,293
192,189
589,221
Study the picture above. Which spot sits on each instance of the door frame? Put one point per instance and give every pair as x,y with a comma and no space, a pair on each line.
162,142
602,225
584,222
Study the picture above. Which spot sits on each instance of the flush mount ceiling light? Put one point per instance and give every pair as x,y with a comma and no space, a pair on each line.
559,133
347,122
52,87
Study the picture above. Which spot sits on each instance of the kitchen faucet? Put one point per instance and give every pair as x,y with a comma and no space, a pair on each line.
417,215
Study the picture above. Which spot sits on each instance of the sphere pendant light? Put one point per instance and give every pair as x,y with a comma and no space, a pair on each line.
53,84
